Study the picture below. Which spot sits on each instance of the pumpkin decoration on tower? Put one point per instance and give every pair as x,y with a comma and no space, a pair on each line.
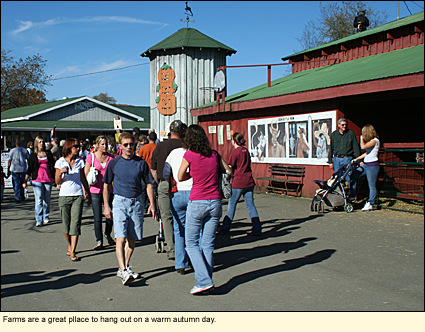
166,100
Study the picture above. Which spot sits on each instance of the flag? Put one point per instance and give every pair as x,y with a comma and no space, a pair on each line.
52,132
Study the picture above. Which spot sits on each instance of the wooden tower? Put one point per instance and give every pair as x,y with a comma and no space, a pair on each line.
182,70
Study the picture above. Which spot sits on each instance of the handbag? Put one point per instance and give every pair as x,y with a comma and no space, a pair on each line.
224,185
92,176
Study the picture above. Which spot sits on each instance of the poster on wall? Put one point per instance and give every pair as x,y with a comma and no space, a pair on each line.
4,163
298,139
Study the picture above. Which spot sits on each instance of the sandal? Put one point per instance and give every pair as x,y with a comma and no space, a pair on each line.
98,247
74,258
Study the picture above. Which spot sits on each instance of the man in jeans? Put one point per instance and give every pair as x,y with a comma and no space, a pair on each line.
17,164
343,148
159,155
127,172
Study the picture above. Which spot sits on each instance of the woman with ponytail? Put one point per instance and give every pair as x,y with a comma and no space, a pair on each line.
242,184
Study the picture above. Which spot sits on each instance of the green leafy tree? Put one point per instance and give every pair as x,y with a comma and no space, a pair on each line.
103,97
336,21
23,81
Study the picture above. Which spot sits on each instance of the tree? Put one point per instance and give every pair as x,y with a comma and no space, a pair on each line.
22,82
336,21
103,97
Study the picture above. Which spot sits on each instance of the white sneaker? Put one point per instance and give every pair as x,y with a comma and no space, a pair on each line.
367,207
199,290
134,274
126,277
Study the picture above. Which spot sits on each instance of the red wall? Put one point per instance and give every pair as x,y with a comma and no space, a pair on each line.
383,42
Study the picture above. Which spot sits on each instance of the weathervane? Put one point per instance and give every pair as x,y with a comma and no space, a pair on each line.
188,12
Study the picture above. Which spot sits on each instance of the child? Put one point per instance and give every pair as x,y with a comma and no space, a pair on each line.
3,176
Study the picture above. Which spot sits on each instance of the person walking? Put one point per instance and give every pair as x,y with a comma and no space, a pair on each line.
71,179
178,205
242,184
343,148
204,208
369,141
41,170
145,152
17,166
127,172
159,155
100,159
55,148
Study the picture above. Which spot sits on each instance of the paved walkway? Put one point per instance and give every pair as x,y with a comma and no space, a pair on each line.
361,261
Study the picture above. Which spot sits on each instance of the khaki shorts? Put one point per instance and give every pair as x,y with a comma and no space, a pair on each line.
71,209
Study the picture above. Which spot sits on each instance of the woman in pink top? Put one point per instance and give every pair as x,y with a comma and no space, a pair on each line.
101,161
41,168
204,208
242,184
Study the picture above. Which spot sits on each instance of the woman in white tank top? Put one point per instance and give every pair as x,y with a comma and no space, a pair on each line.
369,141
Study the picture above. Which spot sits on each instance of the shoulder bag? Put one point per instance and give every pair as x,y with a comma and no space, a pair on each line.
92,176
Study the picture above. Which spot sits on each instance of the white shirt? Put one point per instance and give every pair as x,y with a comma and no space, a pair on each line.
172,165
71,183
372,153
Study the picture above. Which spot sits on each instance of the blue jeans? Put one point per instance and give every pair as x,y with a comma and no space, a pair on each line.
179,202
128,217
17,180
338,163
202,216
97,202
371,173
248,195
42,192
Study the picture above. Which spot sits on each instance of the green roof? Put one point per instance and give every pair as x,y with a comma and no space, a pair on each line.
385,27
28,110
142,111
395,63
64,125
188,37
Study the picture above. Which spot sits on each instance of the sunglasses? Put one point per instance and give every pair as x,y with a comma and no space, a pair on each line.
127,144
76,146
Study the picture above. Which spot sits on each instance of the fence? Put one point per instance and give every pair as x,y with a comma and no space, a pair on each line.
402,173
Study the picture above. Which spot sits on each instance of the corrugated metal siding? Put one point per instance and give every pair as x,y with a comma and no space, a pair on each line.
70,113
195,69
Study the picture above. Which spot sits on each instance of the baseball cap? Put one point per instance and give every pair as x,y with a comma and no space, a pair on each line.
177,126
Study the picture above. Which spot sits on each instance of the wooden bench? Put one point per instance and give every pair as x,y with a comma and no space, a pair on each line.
285,179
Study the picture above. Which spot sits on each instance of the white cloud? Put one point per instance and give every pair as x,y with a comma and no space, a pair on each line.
27,25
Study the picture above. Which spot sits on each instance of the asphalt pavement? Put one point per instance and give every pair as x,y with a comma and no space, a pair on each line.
338,261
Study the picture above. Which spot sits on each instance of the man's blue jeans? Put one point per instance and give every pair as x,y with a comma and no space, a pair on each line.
202,216
248,195
97,202
42,193
18,179
338,163
179,202
371,173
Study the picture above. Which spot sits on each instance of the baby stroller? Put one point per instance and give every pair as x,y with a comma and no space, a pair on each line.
159,239
332,191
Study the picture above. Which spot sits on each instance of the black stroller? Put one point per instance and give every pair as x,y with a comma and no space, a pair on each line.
332,191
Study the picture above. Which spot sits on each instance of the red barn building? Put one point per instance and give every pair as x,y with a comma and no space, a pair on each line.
376,77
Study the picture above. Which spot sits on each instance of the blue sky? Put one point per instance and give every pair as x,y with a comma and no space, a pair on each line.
80,37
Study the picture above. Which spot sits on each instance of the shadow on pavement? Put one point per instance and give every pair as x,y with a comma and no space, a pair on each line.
46,284
287,265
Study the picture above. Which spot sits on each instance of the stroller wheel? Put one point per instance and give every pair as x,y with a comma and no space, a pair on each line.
320,209
348,208
162,246
312,207
158,244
